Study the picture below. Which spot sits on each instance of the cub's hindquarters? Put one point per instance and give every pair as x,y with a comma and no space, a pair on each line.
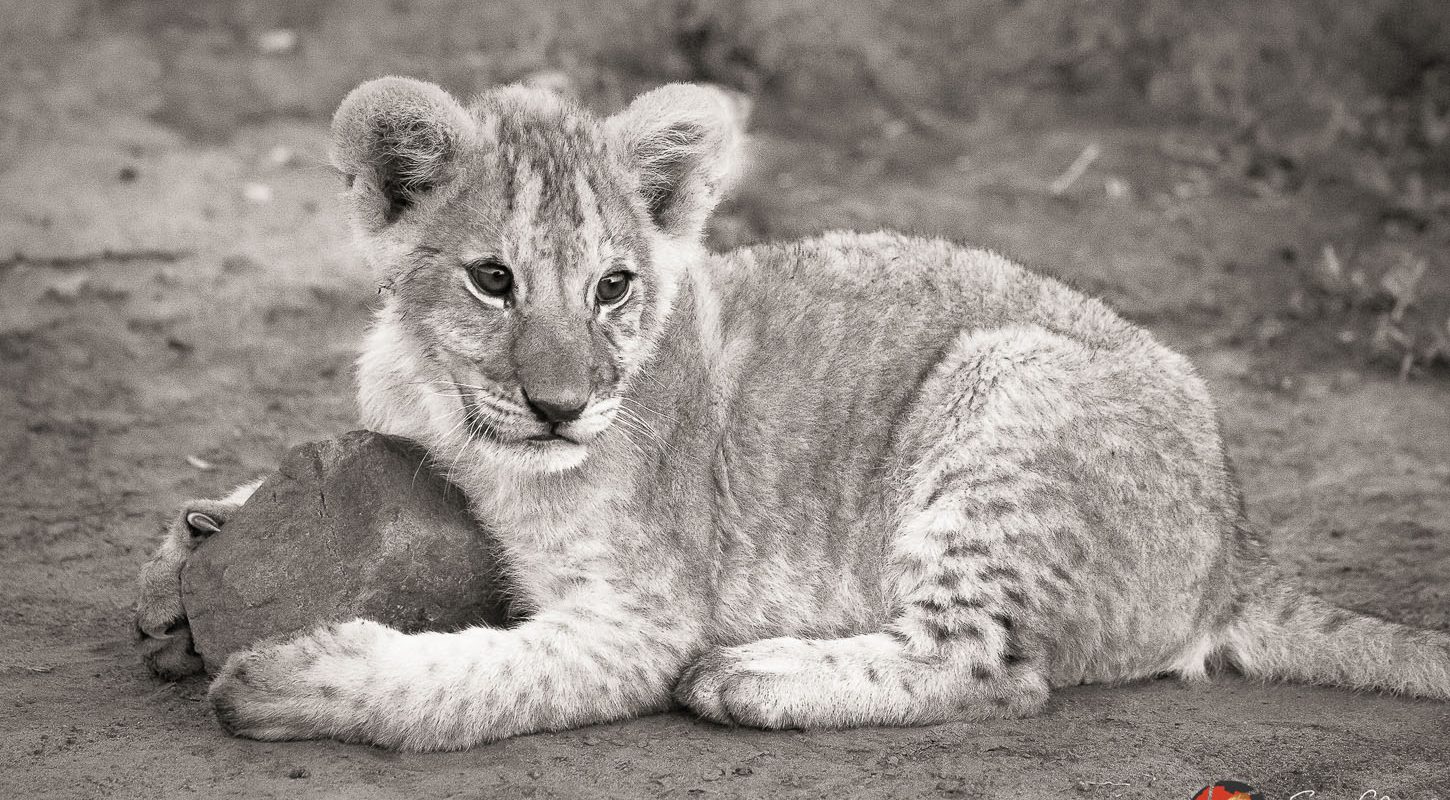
1068,518
1062,520
1077,491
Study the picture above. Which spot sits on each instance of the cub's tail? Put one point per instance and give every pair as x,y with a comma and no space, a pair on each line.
1286,634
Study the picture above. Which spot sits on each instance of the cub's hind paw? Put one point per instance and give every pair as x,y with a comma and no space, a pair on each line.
761,684
162,634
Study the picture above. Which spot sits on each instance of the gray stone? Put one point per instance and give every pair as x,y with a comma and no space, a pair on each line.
357,526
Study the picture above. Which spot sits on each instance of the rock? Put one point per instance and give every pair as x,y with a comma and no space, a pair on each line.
356,526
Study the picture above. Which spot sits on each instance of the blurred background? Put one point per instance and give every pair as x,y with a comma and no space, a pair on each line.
1265,184
1278,164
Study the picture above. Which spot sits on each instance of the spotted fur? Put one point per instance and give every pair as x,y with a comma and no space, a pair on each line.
855,480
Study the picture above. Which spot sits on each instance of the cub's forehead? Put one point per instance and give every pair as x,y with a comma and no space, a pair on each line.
541,131
545,178
515,116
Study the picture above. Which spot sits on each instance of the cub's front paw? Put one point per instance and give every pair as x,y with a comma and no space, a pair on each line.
162,634
317,685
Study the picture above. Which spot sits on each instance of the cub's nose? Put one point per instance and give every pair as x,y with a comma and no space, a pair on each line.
564,407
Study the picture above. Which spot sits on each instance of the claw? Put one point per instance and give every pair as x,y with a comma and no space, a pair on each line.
202,524
172,628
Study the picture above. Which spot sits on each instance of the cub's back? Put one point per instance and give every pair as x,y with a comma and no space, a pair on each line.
856,309
831,339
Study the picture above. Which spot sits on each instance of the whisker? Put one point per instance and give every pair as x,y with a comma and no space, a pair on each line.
462,420
641,404
644,375
484,397
622,417
448,476
633,421
454,384
625,433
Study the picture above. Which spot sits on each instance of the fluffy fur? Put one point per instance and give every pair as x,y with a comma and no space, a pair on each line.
855,480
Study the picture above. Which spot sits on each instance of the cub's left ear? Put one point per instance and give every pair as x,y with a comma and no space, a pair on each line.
686,143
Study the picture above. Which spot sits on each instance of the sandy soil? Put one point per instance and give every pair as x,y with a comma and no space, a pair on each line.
168,329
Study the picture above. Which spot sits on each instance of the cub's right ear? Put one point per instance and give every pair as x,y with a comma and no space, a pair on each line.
396,140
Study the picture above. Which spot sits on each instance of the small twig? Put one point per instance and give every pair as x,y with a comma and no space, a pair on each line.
1407,363
1079,166
166,689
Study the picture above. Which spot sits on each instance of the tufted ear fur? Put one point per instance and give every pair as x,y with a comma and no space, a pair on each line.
396,141
686,144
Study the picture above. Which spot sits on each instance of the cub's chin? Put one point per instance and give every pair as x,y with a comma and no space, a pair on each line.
539,456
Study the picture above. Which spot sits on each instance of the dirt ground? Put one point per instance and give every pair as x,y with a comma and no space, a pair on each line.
177,307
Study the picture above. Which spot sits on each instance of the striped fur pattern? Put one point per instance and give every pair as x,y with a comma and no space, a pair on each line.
856,480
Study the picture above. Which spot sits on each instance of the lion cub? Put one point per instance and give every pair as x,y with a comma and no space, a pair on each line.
856,480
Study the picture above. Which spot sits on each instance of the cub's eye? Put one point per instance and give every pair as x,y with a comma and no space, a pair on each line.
489,280
613,287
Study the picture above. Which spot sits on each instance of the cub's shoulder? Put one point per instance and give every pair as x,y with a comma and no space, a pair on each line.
880,254
885,265
936,282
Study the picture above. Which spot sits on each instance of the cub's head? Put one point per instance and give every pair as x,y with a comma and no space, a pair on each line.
529,251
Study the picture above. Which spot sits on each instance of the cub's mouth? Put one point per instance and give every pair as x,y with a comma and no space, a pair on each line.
481,427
